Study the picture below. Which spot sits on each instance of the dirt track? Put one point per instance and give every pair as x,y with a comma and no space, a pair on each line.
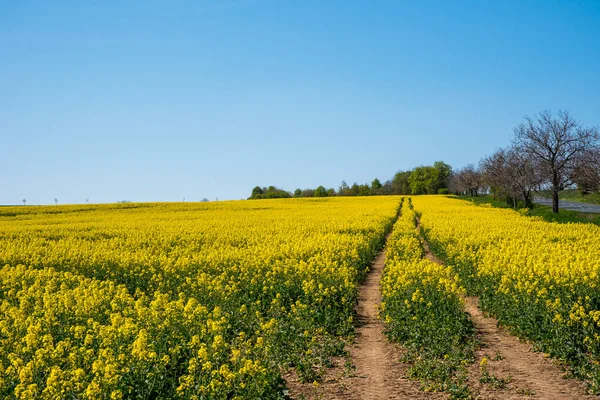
373,370
514,370
377,373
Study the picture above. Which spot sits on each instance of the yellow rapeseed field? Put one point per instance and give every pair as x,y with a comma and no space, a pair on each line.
211,300
540,279
218,300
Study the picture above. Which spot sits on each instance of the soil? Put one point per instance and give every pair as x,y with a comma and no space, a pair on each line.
372,369
514,371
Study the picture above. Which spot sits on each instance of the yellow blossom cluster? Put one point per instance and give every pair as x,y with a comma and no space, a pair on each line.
422,308
188,300
539,278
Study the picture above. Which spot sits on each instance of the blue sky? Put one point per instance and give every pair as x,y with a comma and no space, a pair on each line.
157,100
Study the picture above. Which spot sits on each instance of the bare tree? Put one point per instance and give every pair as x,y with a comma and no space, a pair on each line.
511,173
555,144
587,171
493,172
467,180
55,201
24,201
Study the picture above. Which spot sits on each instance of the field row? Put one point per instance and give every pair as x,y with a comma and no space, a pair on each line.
423,309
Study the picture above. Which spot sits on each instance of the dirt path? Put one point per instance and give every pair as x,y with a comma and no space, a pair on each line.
373,370
514,370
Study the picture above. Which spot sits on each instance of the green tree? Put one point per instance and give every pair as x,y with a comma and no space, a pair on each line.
423,180
376,184
275,193
400,184
443,171
321,192
271,192
257,193
344,190
364,190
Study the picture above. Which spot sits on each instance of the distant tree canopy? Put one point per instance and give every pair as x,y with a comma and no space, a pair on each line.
271,192
429,179
321,192
425,179
400,184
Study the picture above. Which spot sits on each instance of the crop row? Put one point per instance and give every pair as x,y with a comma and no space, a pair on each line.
423,309
540,279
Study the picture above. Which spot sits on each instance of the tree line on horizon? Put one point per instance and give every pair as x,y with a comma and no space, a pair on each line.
424,179
546,153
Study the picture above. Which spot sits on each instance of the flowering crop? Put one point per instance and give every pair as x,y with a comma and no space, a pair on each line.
423,309
211,300
540,279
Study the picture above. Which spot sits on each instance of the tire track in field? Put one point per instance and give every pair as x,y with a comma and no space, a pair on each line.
376,372
520,372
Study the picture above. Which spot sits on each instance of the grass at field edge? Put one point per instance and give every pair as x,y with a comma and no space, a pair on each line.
545,212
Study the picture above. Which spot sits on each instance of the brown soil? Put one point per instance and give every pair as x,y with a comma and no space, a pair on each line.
528,373
372,370
514,370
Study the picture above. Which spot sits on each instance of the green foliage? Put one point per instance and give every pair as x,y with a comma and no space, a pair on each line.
443,172
423,180
400,184
493,381
364,190
257,193
271,192
344,189
429,179
376,187
354,190
563,216
321,192
276,193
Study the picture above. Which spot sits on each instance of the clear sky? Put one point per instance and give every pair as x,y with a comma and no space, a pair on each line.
161,100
